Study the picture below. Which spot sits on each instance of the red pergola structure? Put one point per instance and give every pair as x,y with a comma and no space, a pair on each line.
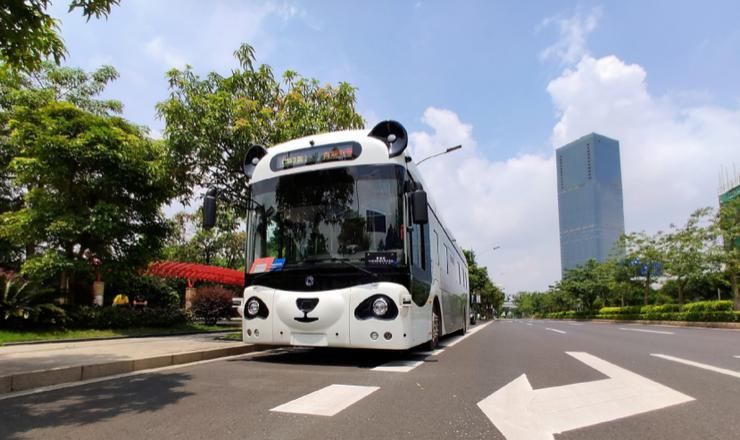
193,272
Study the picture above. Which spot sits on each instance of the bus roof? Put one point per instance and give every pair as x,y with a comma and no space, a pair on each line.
374,152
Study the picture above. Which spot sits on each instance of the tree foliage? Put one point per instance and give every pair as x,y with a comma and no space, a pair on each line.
222,245
688,260
29,35
728,226
645,254
212,121
89,183
692,250
480,283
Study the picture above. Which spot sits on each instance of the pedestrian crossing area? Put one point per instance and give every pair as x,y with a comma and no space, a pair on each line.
333,399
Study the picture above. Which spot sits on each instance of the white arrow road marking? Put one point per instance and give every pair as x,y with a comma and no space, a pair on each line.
521,413
327,401
660,332
555,330
698,365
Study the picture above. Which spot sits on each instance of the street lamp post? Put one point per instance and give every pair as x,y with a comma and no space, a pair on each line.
449,150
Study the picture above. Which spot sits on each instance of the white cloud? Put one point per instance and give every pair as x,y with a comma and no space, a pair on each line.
160,51
671,155
671,151
571,46
487,203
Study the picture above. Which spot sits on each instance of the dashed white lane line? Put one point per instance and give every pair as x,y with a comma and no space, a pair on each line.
404,366
327,401
466,336
555,330
575,323
737,357
660,332
430,353
698,365
529,323
398,366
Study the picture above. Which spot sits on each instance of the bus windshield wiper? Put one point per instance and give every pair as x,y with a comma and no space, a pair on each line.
340,260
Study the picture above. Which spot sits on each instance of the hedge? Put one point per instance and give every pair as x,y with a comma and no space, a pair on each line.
702,311
86,317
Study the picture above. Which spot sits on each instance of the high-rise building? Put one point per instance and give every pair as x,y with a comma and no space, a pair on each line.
590,205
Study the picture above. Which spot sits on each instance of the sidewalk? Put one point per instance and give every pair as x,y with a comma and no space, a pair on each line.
31,366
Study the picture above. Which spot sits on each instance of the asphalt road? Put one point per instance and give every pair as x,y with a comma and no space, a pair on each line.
341,394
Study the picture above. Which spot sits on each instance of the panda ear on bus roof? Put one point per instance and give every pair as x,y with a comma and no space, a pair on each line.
253,156
393,134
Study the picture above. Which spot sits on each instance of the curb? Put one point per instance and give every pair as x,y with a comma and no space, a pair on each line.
55,376
111,338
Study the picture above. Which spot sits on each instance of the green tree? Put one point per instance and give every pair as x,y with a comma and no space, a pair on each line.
222,245
95,185
691,250
587,283
22,92
480,283
727,223
28,35
646,256
211,122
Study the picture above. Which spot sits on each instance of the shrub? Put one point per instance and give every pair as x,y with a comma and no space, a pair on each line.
708,306
212,303
86,317
24,304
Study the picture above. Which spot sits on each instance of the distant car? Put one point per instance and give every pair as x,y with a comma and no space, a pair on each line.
473,319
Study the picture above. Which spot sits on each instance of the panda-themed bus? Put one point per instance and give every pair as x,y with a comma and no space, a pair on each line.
344,247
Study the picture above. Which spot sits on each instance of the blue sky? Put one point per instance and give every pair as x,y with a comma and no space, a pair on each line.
509,80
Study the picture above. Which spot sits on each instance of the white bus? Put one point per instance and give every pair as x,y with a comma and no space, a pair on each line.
344,249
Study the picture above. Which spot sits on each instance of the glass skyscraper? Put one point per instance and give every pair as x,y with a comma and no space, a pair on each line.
590,205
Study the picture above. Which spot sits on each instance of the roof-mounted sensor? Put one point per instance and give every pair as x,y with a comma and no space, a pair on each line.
393,135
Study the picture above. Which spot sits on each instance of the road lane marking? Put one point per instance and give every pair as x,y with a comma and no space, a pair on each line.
660,332
737,357
436,352
529,323
575,323
470,333
522,413
403,366
555,330
698,365
327,401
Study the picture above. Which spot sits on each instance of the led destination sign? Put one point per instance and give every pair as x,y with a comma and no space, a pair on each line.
315,155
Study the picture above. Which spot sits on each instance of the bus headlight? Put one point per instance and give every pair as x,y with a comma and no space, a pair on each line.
380,306
253,307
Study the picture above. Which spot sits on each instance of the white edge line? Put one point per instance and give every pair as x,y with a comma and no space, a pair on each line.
698,365
78,383
555,330
660,332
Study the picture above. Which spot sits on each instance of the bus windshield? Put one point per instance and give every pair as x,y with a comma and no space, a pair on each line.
328,216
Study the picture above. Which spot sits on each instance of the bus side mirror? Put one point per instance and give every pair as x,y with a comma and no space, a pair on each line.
419,209
209,209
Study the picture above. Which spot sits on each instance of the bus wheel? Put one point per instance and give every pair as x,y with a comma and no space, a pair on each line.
436,329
